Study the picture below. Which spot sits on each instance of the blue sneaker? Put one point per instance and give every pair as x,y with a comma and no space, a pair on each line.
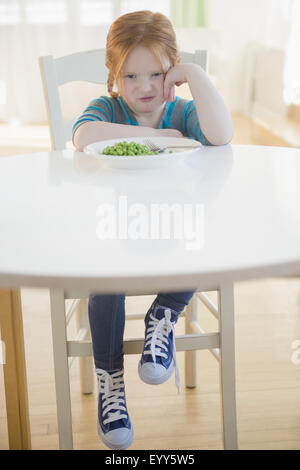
114,425
159,354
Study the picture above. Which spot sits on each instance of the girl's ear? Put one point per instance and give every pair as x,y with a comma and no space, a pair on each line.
178,60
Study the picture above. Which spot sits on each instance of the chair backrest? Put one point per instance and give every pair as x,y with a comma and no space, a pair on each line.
86,66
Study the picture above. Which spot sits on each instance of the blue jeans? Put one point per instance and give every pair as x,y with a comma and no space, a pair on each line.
107,322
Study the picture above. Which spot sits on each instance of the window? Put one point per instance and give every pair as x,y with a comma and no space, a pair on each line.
10,12
155,5
88,12
46,12
92,12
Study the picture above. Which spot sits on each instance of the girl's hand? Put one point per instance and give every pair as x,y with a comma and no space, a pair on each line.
176,75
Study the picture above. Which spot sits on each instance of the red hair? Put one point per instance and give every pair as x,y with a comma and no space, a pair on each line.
143,28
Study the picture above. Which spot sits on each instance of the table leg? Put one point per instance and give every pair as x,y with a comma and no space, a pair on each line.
14,369
227,366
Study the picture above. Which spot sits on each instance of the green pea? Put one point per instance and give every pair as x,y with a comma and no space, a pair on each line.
128,149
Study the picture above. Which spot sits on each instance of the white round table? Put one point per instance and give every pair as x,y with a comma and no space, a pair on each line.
69,222
226,214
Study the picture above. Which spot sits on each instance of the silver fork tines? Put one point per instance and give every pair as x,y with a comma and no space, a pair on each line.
152,146
155,148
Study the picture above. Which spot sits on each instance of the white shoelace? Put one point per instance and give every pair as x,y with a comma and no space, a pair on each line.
157,338
111,386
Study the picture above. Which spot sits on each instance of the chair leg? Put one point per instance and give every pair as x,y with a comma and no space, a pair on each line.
227,366
61,369
86,363
190,357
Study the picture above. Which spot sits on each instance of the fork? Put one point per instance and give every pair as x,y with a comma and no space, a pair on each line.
155,148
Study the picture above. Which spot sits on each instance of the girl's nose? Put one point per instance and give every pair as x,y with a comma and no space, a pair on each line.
145,84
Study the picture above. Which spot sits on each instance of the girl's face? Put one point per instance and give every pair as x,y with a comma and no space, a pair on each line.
141,81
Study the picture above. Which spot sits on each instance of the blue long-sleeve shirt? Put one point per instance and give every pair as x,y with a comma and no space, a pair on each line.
181,114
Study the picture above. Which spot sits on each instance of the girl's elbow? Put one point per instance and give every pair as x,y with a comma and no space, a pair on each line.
222,139
229,135
78,141
75,141
78,147
227,140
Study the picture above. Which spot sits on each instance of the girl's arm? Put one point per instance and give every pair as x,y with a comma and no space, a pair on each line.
93,131
214,117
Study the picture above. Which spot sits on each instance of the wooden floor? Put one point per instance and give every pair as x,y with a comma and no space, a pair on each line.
268,381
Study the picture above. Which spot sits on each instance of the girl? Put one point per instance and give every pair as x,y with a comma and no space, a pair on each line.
143,61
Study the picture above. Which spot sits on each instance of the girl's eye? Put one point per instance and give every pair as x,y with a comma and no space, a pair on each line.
130,76
157,74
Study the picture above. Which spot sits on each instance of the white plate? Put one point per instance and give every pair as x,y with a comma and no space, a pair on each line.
144,161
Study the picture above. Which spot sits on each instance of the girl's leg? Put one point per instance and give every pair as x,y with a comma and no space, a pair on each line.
159,353
175,300
107,321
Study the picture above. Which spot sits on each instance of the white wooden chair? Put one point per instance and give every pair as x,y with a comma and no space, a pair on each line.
89,66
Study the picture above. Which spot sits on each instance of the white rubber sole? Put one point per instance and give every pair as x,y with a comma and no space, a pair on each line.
155,380
121,445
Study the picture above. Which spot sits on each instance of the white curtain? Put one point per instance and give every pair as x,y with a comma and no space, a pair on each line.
32,28
292,65
265,24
